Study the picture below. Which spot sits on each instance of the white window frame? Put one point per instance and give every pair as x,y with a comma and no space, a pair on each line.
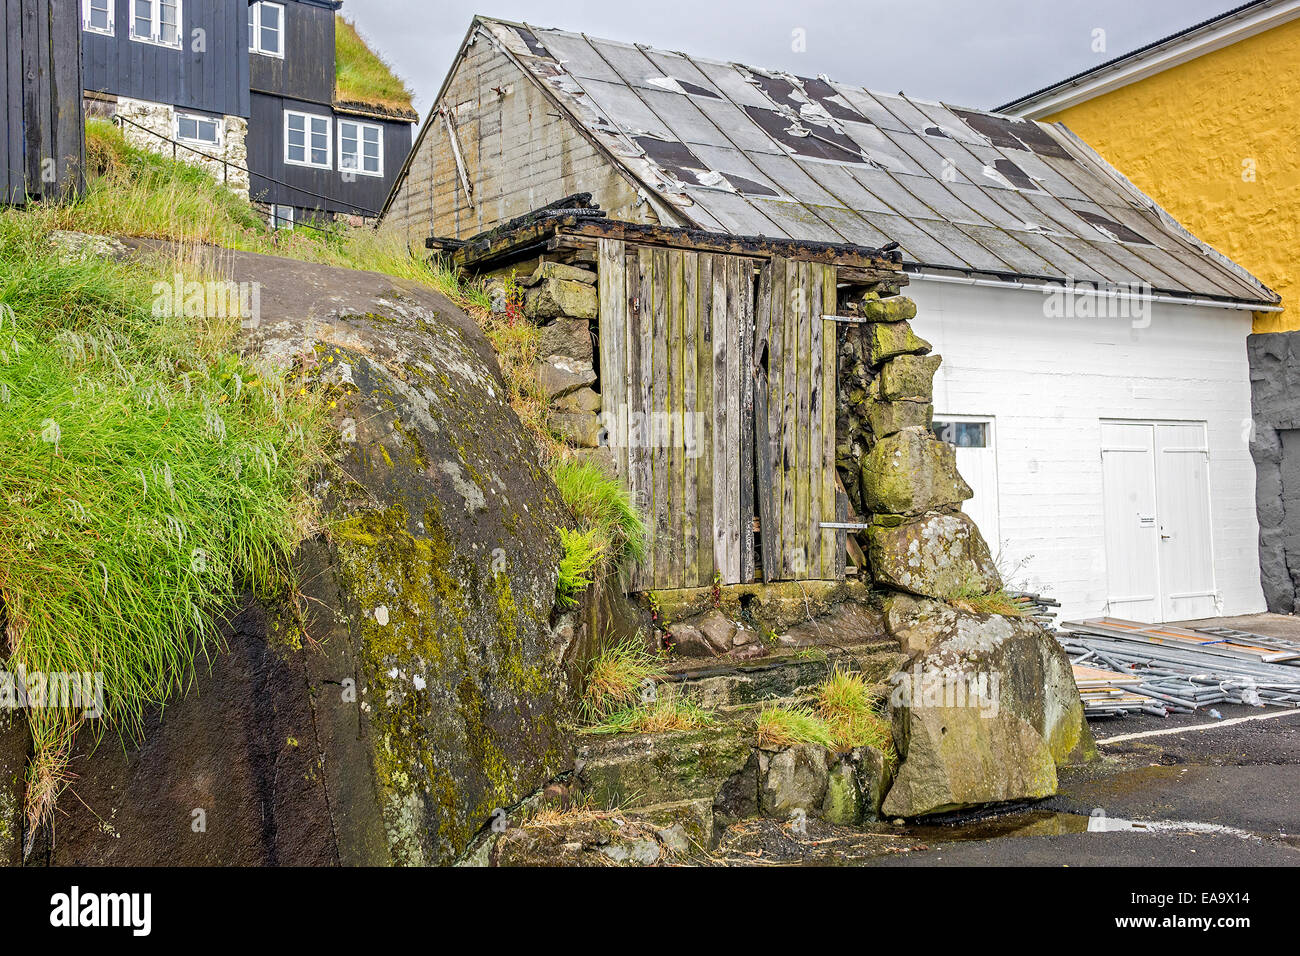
198,117
281,216
85,18
340,123
156,17
306,160
255,23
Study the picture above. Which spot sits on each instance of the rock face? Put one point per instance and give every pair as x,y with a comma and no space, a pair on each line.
1275,447
984,716
13,764
937,555
433,689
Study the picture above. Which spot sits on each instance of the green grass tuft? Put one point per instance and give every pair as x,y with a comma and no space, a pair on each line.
782,726
603,504
663,715
618,678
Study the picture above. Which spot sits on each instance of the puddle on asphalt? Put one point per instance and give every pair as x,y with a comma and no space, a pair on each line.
1057,823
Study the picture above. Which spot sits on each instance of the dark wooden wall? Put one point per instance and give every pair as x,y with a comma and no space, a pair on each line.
40,93
307,70
364,196
213,79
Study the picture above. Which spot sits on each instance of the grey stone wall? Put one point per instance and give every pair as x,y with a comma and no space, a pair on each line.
1275,446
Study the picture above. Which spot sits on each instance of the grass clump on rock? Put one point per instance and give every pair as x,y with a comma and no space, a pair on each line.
666,713
843,715
618,678
149,477
611,532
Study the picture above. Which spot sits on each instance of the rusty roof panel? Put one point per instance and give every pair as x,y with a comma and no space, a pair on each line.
767,153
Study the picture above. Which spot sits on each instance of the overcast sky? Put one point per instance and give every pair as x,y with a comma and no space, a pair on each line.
966,52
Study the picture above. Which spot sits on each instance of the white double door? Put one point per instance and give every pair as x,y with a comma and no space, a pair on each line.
1159,552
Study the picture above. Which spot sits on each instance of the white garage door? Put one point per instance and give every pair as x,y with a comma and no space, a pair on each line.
977,461
1156,488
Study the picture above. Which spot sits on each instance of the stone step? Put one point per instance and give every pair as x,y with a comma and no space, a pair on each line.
640,770
789,672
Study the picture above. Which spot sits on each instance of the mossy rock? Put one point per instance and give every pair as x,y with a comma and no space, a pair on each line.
908,378
984,716
911,472
892,339
888,418
937,555
893,309
443,555
553,298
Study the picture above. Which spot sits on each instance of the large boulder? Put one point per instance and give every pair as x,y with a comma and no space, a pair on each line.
912,472
984,716
424,686
937,555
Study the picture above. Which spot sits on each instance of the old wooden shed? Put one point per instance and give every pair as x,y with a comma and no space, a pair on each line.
716,364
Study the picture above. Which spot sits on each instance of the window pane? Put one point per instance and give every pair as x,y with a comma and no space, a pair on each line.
318,156
186,127
167,31
963,434
297,152
270,40
270,18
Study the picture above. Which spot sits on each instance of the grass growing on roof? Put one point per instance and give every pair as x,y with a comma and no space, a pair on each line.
149,477
361,75
618,677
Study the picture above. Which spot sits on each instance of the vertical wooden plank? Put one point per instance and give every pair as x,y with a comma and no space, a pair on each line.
611,289
815,449
704,390
659,402
763,477
674,453
735,318
802,425
832,544
789,423
745,363
639,368
776,404
689,421
720,342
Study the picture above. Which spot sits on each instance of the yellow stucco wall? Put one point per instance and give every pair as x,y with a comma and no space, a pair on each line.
1184,137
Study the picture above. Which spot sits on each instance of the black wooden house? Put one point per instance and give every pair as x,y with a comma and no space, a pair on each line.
247,90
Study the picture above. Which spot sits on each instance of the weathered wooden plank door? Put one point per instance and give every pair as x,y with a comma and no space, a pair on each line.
794,361
675,339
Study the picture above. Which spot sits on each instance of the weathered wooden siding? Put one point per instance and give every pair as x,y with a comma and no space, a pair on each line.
306,72
40,93
701,390
520,152
212,76
794,361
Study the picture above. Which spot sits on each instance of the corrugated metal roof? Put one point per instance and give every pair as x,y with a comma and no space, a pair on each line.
761,152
